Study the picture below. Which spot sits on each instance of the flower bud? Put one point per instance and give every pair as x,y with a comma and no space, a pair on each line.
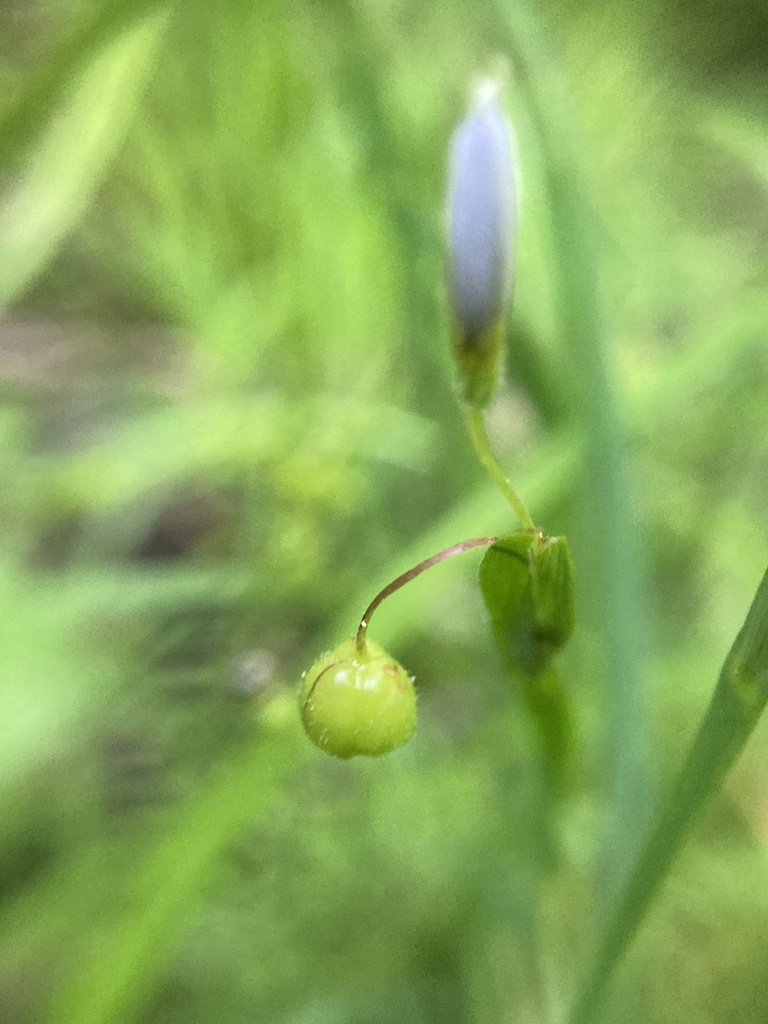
481,242
528,586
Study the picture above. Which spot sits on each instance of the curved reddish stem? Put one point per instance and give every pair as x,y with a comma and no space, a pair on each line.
417,570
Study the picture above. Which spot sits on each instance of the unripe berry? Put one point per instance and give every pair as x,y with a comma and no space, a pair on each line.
358,702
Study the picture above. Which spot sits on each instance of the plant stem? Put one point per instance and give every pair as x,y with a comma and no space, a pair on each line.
482,445
406,577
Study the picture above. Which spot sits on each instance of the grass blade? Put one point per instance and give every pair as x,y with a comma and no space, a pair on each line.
738,701
137,940
59,137
609,557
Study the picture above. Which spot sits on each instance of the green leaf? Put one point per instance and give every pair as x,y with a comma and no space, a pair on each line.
59,138
738,701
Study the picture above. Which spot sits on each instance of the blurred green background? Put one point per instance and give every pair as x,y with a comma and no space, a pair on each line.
227,419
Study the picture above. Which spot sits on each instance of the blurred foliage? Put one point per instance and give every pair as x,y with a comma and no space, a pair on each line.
227,418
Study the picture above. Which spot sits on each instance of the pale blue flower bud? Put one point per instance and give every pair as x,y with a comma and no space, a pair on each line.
481,214
481,240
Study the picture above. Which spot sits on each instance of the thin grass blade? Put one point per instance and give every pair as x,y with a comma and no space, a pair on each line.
738,701
609,559
58,139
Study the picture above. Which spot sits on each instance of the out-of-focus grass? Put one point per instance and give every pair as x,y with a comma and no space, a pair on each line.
227,418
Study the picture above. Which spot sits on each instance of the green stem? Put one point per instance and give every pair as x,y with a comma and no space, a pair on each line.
482,445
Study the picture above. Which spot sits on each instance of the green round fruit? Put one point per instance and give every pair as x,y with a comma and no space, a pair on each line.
358,703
